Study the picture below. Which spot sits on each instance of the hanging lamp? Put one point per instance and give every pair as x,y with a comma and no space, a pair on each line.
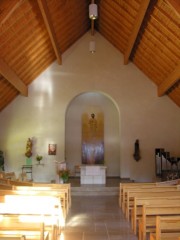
93,11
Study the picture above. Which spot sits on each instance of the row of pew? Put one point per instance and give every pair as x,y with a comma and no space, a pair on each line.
31,210
152,209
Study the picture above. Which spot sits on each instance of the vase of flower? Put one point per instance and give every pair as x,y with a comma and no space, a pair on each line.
64,175
39,158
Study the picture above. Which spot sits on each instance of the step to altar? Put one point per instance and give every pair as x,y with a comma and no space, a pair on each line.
111,188
94,190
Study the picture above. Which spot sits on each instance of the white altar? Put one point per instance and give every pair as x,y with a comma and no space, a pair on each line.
93,174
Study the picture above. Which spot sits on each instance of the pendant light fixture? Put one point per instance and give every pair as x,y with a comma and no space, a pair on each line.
93,11
92,46
93,15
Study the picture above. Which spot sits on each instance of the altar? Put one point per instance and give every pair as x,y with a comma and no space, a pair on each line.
93,174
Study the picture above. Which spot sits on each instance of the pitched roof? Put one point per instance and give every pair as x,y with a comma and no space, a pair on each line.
35,33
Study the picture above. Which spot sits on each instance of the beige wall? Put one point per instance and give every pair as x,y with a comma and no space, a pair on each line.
154,121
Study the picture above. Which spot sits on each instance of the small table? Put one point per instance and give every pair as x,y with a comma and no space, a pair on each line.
27,169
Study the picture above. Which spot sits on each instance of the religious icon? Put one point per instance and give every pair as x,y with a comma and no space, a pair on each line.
93,138
52,149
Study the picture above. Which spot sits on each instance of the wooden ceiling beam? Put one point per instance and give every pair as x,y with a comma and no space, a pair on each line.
7,8
169,81
49,26
175,5
140,16
11,76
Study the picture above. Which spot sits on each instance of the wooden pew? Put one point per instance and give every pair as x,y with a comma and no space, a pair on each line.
61,193
35,184
57,186
1,174
149,191
15,182
131,184
20,183
64,188
37,208
6,186
132,188
4,180
12,227
140,201
144,188
167,228
4,235
141,184
147,222
9,175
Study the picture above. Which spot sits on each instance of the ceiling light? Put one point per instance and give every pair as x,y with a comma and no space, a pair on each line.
93,11
92,46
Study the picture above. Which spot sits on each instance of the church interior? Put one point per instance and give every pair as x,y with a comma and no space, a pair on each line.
89,119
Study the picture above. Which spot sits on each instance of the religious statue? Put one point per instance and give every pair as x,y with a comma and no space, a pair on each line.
93,124
1,160
136,154
28,152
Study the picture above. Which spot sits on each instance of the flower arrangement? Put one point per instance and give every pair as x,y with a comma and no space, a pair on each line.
39,158
64,174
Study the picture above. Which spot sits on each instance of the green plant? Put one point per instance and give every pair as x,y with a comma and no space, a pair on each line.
39,158
64,174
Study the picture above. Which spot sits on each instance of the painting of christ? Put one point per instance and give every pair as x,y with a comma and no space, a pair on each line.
92,139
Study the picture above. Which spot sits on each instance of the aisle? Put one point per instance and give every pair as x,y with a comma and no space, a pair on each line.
96,218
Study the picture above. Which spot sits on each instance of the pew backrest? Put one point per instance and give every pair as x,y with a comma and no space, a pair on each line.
62,192
149,212
26,191
148,192
57,186
164,224
6,186
140,201
131,184
147,188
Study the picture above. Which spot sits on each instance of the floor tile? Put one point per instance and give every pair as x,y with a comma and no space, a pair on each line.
96,218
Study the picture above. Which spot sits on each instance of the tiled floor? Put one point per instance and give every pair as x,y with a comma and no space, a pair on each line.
96,218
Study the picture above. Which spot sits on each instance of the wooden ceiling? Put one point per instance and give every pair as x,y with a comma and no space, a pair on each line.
34,33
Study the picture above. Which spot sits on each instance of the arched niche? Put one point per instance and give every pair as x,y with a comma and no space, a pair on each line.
93,102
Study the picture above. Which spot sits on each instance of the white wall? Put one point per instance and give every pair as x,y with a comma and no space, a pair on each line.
142,115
